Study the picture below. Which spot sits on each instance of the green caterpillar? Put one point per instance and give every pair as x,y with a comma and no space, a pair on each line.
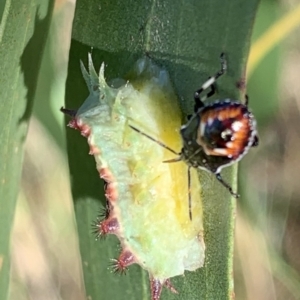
147,200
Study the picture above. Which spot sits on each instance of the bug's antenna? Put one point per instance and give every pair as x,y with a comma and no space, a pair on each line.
189,191
227,186
176,159
154,140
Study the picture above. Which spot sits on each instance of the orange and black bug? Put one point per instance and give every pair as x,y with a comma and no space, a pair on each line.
218,134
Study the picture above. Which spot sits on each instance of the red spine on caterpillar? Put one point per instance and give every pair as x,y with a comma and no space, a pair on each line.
147,205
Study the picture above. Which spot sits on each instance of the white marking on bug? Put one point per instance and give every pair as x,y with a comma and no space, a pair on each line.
229,145
237,125
210,121
220,151
183,127
221,117
226,133
202,128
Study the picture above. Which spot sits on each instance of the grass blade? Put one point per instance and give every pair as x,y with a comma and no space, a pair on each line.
23,33
187,39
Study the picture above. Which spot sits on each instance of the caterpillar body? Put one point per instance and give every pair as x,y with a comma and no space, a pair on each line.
147,200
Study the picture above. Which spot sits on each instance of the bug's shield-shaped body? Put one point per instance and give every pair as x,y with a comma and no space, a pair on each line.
147,199
218,135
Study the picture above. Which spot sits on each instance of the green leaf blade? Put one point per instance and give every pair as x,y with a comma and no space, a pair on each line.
22,36
187,39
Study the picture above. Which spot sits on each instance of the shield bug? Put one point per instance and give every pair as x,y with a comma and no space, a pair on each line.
218,134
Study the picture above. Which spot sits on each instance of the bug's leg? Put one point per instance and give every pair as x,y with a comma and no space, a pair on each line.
226,185
199,101
189,193
255,141
209,83
246,100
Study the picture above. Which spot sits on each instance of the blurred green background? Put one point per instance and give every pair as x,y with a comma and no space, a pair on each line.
45,255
